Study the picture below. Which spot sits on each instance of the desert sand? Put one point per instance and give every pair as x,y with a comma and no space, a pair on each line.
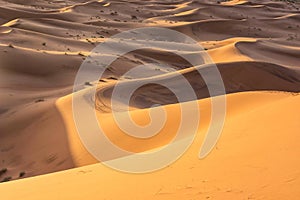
256,47
249,162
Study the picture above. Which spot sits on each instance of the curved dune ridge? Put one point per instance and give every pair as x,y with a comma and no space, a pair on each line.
256,155
255,46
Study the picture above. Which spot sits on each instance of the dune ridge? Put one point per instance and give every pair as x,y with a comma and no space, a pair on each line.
240,167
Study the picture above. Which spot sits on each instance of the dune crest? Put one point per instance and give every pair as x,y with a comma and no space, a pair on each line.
242,152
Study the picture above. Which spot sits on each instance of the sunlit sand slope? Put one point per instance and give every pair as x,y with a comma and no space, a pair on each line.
255,158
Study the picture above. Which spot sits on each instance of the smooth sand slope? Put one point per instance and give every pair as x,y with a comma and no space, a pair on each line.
255,45
256,158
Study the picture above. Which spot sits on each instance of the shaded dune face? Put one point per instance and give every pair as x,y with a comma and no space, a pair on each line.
237,77
255,46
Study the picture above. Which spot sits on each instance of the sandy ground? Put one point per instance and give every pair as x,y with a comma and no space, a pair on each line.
255,45
256,158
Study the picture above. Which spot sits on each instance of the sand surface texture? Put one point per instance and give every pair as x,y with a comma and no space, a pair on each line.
255,45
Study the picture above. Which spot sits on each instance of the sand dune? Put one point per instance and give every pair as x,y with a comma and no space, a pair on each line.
237,76
277,52
249,161
255,45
